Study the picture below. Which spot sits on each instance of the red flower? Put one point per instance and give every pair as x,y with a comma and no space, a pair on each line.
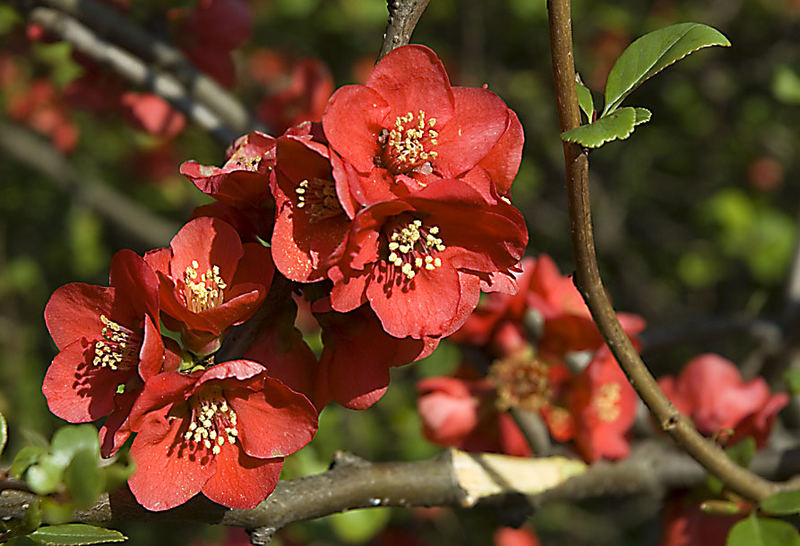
243,181
508,536
463,413
420,262
109,339
223,431
152,114
407,125
304,99
209,281
357,356
310,224
603,407
683,523
711,392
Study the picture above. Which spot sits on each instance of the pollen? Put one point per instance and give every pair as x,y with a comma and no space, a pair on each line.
118,348
607,402
412,248
203,291
213,422
522,382
318,198
409,143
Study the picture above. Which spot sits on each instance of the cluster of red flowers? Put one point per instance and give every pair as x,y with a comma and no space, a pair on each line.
390,217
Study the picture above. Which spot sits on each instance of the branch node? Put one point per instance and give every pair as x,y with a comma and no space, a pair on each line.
261,535
344,459
671,422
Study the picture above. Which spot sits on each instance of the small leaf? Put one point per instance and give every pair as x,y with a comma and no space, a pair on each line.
652,53
26,457
76,534
755,531
782,503
44,477
585,100
3,433
68,440
742,452
83,479
643,115
618,125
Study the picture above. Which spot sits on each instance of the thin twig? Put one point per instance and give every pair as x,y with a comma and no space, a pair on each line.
403,18
114,28
587,277
132,69
34,152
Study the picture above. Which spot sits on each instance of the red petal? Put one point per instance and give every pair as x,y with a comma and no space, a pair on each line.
348,292
74,310
136,287
210,242
151,355
167,473
353,122
241,482
502,162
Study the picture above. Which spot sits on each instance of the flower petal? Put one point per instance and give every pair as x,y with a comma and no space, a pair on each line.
241,482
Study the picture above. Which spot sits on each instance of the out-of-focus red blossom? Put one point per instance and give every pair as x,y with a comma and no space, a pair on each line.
683,523
243,181
265,66
357,355
407,126
155,164
210,32
304,99
711,392
508,536
310,224
209,281
97,90
568,325
222,431
420,263
153,114
461,412
41,107
603,406
107,337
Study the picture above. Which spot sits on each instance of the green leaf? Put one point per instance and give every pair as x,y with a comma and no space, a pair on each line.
643,115
84,479
68,440
3,433
585,100
755,531
792,378
76,534
358,526
652,53
783,503
26,457
618,125
44,477
742,452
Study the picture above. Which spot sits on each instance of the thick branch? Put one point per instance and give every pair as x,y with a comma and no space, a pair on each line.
587,277
403,18
31,150
114,28
132,69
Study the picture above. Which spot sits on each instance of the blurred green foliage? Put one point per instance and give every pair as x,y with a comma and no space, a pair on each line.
695,213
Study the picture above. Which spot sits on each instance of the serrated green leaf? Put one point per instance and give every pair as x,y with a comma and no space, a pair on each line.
68,440
652,53
76,534
84,479
755,531
783,503
3,433
618,125
643,115
585,100
792,378
27,456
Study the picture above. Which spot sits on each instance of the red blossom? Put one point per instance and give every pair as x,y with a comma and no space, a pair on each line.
109,341
357,356
223,431
153,114
710,391
683,523
420,262
407,125
508,536
304,99
42,108
209,281
243,181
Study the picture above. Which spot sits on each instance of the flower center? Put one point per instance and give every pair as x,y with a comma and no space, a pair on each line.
118,348
521,381
213,422
607,402
318,198
413,247
203,291
409,143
